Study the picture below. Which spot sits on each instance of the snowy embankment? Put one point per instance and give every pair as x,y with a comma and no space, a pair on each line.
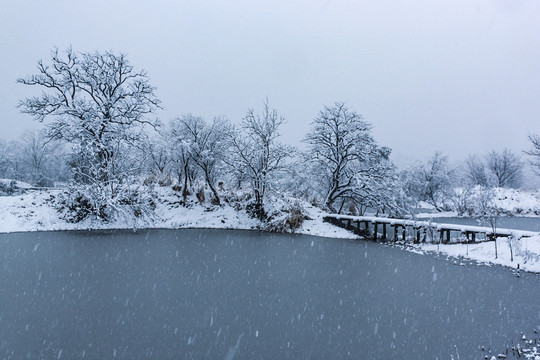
525,252
34,211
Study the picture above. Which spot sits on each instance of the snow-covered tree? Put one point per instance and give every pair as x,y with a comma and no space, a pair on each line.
158,156
206,146
483,207
99,104
255,153
506,168
180,152
37,158
475,171
534,152
345,157
431,182
5,159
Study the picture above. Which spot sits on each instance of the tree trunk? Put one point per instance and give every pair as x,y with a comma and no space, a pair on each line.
185,189
216,195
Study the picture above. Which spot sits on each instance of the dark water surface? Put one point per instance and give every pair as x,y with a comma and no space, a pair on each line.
166,294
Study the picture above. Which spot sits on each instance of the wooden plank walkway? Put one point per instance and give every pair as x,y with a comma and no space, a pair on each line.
418,230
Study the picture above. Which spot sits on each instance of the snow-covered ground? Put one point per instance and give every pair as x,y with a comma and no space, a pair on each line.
526,252
34,211
511,201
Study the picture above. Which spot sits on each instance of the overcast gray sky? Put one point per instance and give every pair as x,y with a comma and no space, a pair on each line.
460,76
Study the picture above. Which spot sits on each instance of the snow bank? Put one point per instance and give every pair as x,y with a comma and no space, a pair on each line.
525,252
34,211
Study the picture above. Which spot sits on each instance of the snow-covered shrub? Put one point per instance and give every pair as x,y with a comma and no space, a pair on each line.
296,217
149,180
165,180
461,200
177,187
283,215
10,187
75,206
256,210
93,203
200,195
7,188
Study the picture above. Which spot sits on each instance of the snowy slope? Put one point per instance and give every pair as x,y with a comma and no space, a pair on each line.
34,211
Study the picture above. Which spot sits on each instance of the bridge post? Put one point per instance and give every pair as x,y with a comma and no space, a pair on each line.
384,232
403,233
442,235
395,232
375,225
473,236
417,241
447,236
425,235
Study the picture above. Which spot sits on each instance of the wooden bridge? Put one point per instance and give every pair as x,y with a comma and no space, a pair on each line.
388,229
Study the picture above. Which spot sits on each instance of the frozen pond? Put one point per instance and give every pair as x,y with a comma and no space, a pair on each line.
217,294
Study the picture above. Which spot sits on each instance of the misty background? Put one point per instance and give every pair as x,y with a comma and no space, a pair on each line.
456,76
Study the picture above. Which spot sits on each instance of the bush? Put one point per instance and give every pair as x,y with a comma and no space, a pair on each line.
288,218
9,188
256,210
74,207
200,195
165,181
77,205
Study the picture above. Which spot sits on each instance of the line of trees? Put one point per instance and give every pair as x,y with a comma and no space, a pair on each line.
99,108
101,134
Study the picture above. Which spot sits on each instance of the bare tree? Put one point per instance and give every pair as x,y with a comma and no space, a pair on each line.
158,156
206,147
534,152
37,156
180,152
345,156
98,103
255,152
485,209
431,182
475,171
506,168
5,161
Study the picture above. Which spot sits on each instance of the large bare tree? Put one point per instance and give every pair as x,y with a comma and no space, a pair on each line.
346,158
98,103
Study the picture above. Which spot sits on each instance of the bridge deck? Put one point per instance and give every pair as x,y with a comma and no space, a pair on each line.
425,225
